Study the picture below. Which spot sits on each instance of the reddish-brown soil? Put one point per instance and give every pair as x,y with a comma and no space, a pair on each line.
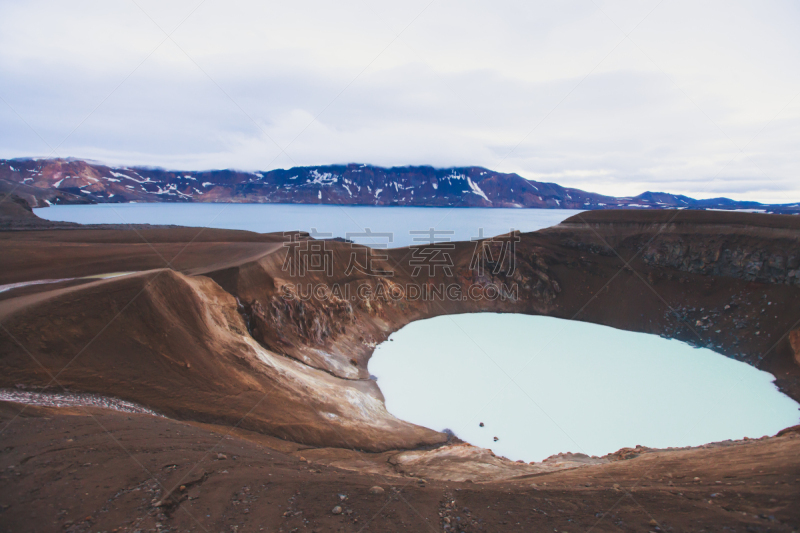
96,470
205,335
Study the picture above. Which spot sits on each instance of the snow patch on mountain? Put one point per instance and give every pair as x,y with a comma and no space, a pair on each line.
477,190
323,178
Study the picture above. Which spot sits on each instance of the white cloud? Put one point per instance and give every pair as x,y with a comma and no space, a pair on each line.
696,100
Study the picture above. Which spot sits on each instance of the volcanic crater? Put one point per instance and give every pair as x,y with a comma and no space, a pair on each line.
269,417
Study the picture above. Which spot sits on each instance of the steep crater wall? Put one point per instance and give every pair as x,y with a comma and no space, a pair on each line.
242,342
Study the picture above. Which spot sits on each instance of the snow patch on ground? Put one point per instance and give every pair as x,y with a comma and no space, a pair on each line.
8,287
70,399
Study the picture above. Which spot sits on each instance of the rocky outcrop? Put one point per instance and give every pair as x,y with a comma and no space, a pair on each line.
794,340
463,462
333,322
753,248
288,316
751,261
16,214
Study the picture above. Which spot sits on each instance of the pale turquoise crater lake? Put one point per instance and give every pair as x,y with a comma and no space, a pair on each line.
543,385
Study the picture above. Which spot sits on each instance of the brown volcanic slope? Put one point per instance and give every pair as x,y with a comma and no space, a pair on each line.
211,339
44,182
70,470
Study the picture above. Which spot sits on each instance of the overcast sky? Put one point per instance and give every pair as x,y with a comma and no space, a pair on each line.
699,98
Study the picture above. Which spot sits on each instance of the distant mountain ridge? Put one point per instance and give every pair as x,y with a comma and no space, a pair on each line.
71,181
